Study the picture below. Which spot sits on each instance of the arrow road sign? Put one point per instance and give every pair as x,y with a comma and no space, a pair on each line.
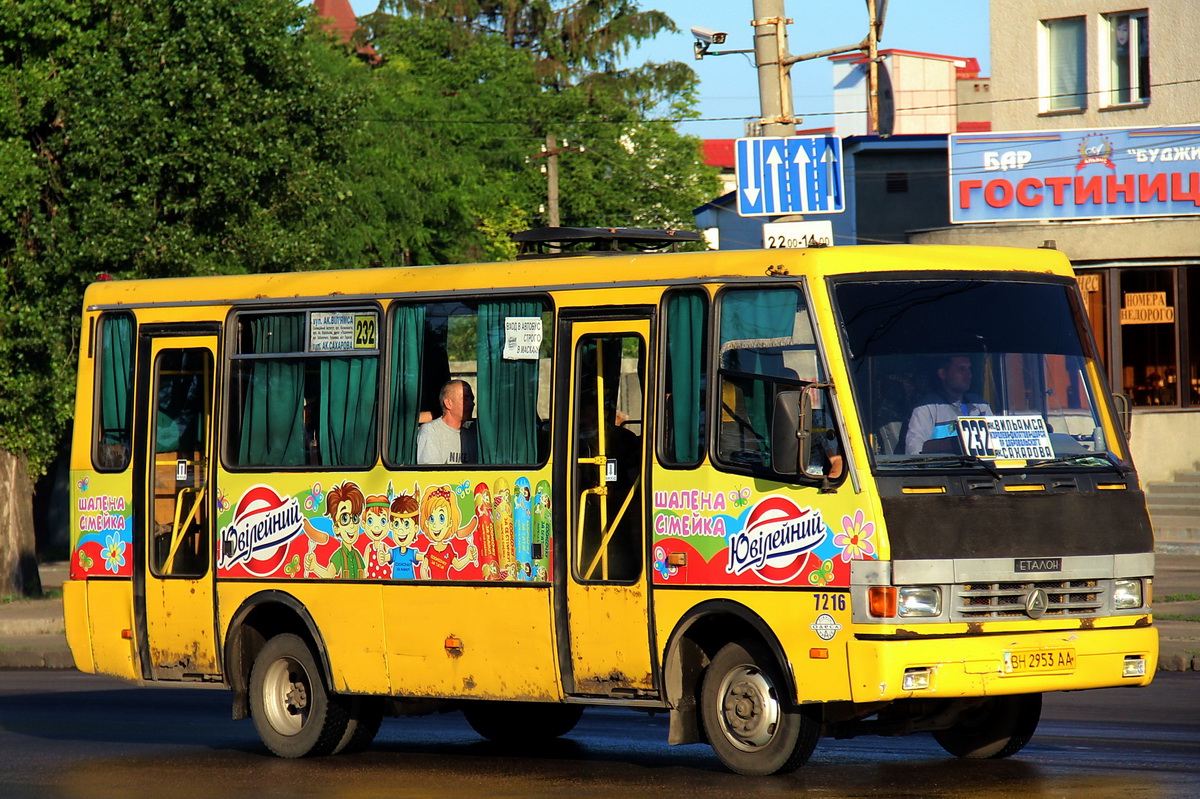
792,175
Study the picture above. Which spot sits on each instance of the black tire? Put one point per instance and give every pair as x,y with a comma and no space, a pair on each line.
521,722
366,714
293,711
998,728
751,725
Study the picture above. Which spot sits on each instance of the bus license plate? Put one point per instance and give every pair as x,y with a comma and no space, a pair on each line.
1039,661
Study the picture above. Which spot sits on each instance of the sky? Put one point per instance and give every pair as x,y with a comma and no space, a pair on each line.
729,84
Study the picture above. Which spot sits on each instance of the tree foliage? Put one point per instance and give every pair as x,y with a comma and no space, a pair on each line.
168,138
142,140
560,75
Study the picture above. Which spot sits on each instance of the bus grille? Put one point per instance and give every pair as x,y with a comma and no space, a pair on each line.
1007,600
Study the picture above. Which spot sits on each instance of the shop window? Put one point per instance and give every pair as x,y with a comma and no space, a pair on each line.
1064,65
1149,371
1193,333
1095,303
1128,69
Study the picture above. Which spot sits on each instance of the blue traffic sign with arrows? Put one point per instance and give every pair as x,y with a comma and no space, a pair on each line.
790,175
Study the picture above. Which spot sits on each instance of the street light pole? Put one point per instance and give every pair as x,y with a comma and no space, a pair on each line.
774,77
551,151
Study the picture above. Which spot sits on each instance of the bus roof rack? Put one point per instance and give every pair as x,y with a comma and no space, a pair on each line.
549,242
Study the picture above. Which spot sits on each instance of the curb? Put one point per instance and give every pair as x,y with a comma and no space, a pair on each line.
35,659
1178,662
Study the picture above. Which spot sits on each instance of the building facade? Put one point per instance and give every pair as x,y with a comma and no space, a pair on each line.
932,93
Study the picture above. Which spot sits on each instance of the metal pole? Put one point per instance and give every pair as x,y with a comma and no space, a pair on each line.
552,178
774,78
873,64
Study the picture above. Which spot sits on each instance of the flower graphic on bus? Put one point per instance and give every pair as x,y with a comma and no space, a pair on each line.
113,553
856,541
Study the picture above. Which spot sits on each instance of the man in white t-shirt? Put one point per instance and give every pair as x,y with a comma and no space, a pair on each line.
446,439
931,427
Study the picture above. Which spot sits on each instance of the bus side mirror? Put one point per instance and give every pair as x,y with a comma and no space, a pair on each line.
1124,412
791,429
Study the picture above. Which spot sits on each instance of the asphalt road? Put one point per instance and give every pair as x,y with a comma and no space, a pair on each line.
66,735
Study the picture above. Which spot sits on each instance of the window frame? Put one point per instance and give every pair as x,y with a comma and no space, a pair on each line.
1052,102
1139,94
97,396
231,356
716,390
549,330
665,458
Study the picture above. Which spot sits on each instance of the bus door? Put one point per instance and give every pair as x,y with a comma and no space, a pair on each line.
173,589
607,612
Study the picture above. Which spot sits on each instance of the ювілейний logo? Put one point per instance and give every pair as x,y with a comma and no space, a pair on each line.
263,524
776,540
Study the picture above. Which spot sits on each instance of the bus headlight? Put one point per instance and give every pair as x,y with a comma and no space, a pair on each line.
920,600
1127,594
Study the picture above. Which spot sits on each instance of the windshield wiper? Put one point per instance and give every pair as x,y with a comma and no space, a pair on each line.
1106,456
959,460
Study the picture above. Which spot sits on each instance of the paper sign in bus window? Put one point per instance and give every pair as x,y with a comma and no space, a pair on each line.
1005,437
522,338
341,331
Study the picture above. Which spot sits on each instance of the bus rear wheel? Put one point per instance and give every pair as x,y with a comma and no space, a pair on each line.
998,728
294,713
750,725
509,722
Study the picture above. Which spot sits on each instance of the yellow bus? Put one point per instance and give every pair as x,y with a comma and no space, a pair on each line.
778,494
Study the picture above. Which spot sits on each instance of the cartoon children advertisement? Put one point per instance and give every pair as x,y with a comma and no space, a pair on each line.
437,532
732,538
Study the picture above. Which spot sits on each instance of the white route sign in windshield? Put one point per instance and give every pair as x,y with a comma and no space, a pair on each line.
1005,437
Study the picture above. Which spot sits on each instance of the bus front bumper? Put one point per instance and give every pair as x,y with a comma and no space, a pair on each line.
991,665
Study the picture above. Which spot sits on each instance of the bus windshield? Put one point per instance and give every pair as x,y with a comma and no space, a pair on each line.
975,373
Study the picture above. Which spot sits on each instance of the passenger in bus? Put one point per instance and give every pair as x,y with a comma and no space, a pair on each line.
449,438
344,504
408,562
931,427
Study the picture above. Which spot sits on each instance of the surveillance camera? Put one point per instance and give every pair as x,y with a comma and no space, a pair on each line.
709,35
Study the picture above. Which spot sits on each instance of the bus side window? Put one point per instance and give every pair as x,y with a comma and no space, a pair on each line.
114,393
501,348
767,346
301,394
683,434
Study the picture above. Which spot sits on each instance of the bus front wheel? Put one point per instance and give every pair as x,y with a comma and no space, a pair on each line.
751,726
998,728
292,710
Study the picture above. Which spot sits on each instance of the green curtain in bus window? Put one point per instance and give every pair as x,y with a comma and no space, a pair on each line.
408,347
757,314
347,429
116,389
685,341
272,431
506,402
